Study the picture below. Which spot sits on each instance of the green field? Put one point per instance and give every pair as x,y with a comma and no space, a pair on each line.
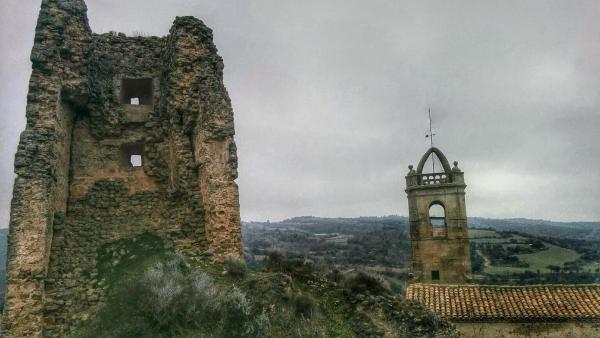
554,255
482,233
491,236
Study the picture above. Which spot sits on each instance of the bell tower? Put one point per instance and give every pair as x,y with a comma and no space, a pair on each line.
438,222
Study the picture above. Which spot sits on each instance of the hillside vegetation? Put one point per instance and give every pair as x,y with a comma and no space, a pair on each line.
528,253
156,293
588,231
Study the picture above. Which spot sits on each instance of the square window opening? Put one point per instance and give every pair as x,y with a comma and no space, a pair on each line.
135,161
137,92
132,155
435,275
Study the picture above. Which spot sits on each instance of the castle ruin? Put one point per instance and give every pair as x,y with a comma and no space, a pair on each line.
124,136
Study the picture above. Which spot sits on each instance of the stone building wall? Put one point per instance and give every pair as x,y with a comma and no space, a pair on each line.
529,330
449,253
58,85
196,85
77,190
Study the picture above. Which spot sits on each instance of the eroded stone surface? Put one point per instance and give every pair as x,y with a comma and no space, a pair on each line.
77,189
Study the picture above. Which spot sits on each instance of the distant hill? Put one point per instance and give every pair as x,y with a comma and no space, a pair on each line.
589,231
503,251
361,241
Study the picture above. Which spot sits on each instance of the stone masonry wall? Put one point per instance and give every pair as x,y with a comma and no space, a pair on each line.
448,254
76,190
58,82
203,110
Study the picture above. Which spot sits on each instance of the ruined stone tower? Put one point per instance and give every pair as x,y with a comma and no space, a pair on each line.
125,136
438,222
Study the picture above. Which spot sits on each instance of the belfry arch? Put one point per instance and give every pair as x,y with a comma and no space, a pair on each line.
440,156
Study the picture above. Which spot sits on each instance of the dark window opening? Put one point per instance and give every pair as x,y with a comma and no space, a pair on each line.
137,92
435,275
132,154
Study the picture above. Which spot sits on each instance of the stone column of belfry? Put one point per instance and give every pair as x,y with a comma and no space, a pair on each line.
440,245
58,83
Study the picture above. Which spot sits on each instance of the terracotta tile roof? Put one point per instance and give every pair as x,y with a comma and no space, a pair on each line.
509,303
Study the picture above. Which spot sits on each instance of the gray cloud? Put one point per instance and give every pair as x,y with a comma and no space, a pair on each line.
331,98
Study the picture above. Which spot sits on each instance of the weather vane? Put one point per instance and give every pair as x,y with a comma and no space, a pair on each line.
430,137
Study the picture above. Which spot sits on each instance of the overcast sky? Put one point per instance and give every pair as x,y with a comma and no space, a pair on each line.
331,97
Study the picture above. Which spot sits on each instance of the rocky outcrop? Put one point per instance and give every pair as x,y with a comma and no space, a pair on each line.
77,187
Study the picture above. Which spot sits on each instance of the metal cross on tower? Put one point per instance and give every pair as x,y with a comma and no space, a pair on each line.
430,137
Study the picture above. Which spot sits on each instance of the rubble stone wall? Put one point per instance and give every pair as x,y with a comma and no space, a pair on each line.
76,190
197,85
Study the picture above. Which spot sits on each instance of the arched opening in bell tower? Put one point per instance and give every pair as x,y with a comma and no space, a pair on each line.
437,219
437,215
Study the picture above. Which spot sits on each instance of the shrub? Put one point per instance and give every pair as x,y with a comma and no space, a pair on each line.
177,300
335,275
260,326
236,266
233,305
297,267
301,268
169,299
162,288
304,305
275,262
363,282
